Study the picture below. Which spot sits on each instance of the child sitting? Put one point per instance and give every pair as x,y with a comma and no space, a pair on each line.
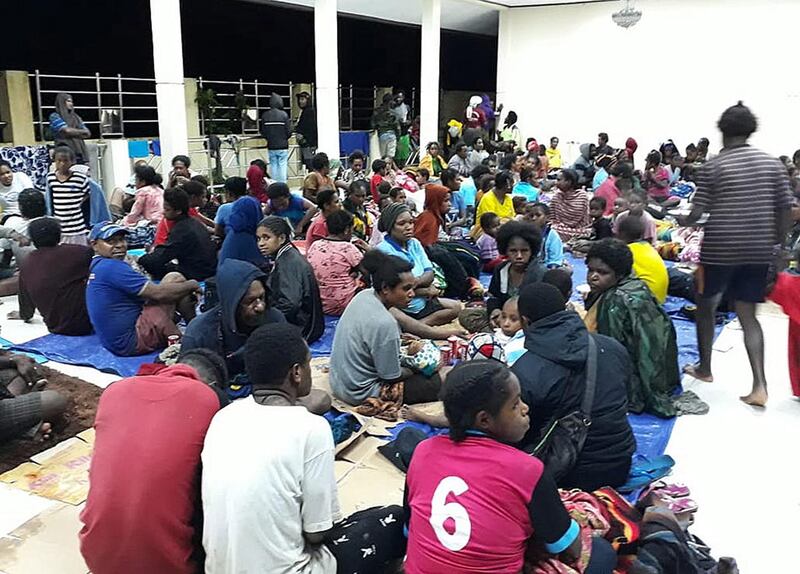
328,203
647,263
235,187
504,498
487,244
293,288
601,225
787,294
637,201
561,279
552,247
379,171
527,185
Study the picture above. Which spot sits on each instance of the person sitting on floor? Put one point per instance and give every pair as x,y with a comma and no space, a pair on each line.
561,279
519,242
353,173
188,243
148,204
430,222
397,224
366,345
456,219
53,279
433,161
283,203
272,505
552,374
327,203
527,185
656,181
130,314
379,171
637,202
243,307
506,498
570,207
235,187
197,200
293,289
11,185
647,263
363,221
459,161
487,242
14,233
601,227
335,260
257,180
161,531
25,408
623,307
609,190
319,177
552,253
498,199
240,241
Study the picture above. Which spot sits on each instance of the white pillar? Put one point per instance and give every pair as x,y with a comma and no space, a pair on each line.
504,49
429,71
326,62
165,17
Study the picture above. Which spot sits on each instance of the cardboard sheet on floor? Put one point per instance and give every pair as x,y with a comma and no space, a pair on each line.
86,351
62,473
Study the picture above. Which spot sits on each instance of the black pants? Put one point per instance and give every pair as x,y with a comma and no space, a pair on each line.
364,542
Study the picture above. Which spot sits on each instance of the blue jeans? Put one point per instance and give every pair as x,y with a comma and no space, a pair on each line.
279,164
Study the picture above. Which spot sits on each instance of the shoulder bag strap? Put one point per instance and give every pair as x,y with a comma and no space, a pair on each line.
591,378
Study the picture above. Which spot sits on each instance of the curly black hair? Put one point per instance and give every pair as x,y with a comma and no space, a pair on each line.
208,364
271,351
522,229
471,387
737,121
613,253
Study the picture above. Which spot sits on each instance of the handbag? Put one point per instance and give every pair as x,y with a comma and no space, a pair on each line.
561,445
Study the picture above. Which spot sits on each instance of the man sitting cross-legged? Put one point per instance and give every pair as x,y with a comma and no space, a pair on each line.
130,314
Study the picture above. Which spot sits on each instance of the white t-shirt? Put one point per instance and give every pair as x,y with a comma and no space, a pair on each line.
267,478
9,195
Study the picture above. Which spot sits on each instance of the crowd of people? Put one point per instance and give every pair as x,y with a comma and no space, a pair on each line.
396,253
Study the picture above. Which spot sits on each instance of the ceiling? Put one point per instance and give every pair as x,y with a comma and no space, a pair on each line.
474,16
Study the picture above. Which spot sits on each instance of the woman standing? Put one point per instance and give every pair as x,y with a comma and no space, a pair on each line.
397,223
570,207
68,128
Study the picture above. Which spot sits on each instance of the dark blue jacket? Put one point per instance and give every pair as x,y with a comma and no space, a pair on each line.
216,328
552,376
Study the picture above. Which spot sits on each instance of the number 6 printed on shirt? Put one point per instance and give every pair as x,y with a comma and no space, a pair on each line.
441,510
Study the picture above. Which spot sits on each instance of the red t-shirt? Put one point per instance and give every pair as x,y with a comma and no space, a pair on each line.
317,230
475,504
165,226
144,492
374,182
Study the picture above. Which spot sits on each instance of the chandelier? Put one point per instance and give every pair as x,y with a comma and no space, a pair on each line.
628,16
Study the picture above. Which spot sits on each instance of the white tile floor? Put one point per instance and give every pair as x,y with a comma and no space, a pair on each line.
741,465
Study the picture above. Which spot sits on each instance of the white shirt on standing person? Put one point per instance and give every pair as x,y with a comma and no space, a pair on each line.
267,478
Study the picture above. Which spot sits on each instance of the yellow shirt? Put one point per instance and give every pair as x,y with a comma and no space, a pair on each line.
553,157
649,267
490,204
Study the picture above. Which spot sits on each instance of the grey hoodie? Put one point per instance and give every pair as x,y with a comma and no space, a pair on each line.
276,127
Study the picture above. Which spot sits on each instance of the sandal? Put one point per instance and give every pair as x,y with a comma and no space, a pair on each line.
673,490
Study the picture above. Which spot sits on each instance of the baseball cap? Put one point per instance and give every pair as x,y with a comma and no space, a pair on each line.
105,230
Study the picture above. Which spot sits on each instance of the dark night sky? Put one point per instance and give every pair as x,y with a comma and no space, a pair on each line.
228,39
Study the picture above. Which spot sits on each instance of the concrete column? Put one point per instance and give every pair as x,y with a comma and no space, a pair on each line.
429,68
326,62
504,49
16,108
192,111
165,17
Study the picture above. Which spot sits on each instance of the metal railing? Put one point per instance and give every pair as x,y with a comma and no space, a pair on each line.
134,99
241,102
356,105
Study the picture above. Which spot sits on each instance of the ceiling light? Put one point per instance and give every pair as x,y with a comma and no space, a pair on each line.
628,16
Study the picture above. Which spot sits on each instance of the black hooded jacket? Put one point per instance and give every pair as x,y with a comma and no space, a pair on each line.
276,126
552,376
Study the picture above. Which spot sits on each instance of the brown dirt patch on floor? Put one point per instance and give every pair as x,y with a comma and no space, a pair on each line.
79,416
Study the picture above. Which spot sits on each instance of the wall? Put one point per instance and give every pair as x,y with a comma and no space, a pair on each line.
670,76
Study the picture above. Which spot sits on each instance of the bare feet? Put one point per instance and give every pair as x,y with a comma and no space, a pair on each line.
411,414
758,398
695,372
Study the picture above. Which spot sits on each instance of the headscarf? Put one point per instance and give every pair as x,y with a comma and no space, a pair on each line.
630,148
73,120
488,109
434,198
240,240
390,215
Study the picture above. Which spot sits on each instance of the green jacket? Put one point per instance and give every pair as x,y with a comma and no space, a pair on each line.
383,120
630,314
